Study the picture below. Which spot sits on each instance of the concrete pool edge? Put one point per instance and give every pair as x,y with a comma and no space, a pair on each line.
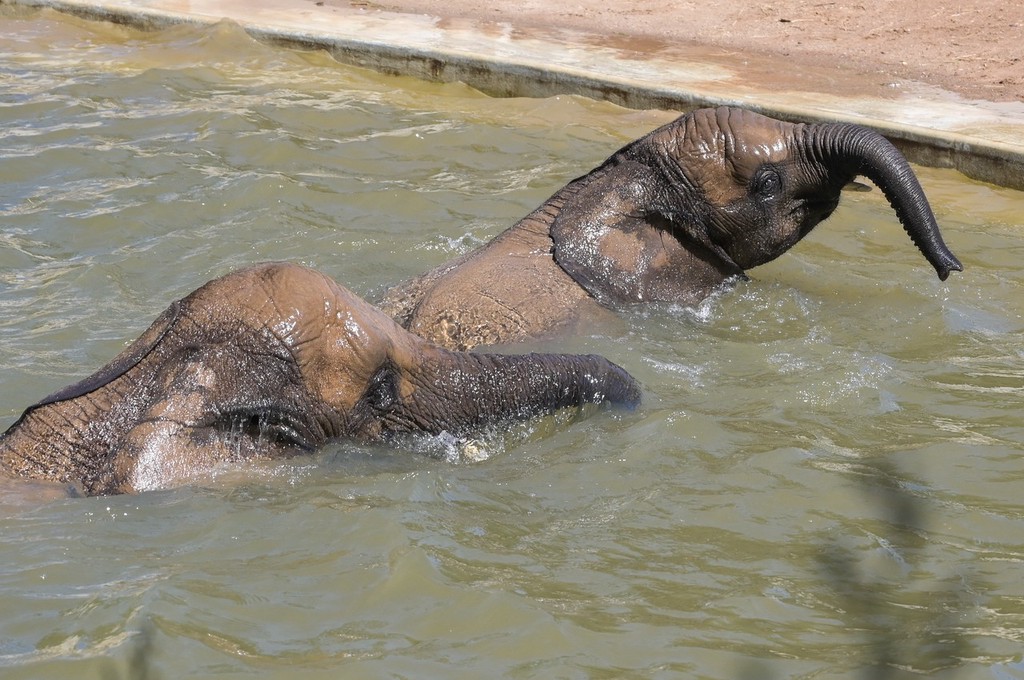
983,140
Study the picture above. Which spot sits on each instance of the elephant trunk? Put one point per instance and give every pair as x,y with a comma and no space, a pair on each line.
459,392
865,152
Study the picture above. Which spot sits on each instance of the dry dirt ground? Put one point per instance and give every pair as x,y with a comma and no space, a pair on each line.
972,47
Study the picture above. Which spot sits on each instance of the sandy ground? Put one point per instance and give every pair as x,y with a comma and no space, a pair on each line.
971,47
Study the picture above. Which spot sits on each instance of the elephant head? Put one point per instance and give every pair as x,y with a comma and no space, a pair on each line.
669,217
270,361
720,191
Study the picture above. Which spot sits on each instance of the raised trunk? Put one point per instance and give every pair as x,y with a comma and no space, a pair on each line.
865,152
459,392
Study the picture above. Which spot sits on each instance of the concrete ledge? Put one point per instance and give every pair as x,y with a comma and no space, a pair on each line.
983,140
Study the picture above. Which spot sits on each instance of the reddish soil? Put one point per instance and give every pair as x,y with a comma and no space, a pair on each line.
971,47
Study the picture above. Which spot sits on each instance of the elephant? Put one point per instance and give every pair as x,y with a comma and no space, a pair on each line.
274,360
668,218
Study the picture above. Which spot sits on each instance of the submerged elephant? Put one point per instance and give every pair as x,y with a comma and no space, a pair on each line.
668,218
270,361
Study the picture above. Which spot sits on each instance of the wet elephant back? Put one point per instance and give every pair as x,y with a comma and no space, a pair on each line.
509,293
508,290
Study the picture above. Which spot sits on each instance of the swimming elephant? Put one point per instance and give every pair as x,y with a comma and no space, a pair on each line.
667,218
273,360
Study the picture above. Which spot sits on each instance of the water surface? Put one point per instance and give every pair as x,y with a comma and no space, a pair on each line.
824,480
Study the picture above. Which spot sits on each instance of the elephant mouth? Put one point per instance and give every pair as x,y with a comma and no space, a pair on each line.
814,212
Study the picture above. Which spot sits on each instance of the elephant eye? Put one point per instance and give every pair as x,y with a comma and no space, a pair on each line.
262,426
767,183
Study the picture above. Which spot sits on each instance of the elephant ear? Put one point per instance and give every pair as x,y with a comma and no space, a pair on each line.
120,364
619,241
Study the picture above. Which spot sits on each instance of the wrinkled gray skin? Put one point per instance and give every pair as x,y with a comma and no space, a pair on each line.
668,218
271,361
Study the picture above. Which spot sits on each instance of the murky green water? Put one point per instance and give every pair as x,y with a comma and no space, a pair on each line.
826,475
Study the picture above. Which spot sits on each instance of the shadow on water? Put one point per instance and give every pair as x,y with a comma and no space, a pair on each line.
901,631
139,662
898,630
